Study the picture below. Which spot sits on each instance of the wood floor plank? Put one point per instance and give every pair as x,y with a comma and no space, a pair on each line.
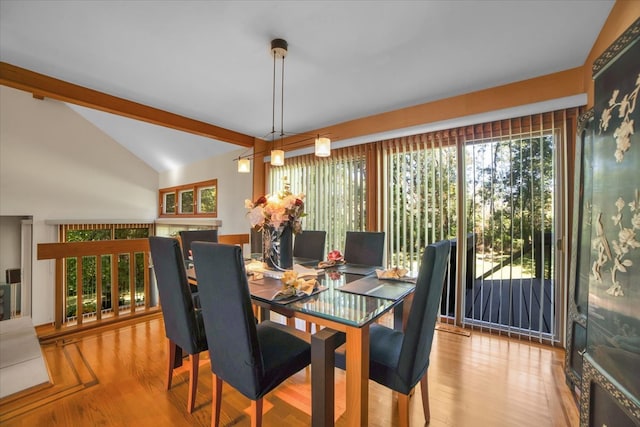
476,380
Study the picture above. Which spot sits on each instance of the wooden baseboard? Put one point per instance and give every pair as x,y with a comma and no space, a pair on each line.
48,333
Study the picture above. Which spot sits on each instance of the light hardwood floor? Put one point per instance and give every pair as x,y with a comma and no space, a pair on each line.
115,378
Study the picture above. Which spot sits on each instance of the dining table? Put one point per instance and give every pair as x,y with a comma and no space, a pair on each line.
345,302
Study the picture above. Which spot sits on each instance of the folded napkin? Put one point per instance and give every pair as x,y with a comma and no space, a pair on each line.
293,285
392,273
254,266
305,271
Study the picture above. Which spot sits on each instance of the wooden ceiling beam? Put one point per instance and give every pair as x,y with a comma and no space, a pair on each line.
41,85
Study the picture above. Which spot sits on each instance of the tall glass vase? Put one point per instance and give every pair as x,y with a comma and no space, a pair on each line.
277,247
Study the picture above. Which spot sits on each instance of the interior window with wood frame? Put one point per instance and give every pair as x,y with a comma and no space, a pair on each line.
199,199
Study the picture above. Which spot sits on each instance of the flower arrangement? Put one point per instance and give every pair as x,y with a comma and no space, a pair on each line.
277,210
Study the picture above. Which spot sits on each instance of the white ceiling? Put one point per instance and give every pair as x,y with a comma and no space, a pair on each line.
211,61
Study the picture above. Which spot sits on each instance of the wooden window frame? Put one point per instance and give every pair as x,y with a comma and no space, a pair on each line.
195,187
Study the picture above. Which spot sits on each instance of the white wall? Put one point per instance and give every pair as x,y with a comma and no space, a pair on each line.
56,165
233,187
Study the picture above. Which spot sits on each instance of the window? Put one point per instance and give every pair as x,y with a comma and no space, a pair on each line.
199,199
207,197
186,202
169,203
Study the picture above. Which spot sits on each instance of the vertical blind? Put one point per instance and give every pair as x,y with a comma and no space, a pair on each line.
335,189
419,194
502,175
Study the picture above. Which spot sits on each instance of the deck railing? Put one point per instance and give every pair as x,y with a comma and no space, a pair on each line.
119,255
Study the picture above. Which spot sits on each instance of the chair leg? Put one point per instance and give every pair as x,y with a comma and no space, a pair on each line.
403,410
424,388
256,413
308,326
171,355
216,401
193,381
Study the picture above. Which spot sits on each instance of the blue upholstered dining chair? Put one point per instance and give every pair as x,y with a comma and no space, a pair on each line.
189,236
310,244
183,322
364,247
252,358
399,360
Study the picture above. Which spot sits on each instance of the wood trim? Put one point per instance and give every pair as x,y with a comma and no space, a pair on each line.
622,15
551,86
59,293
259,169
48,334
195,187
44,86
233,239
101,247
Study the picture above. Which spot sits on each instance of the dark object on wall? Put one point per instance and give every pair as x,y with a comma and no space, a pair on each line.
609,369
13,275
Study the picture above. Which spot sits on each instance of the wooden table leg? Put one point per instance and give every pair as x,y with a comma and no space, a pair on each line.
398,316
357,376
323,345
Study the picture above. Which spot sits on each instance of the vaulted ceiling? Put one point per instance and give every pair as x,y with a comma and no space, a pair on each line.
210,60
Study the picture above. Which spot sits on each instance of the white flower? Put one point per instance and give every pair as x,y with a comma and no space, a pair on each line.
620,203
635,221
256,217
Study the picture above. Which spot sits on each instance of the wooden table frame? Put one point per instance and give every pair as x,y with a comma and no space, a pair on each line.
357,361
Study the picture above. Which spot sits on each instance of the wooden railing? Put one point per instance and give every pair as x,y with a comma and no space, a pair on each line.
112,248
60,252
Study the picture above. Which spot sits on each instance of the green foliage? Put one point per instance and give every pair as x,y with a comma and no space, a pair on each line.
511,184
89,269
208,200
186,201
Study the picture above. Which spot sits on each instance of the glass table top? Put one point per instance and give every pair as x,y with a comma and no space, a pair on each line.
333,304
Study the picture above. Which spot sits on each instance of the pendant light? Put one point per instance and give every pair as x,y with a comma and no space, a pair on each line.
244,165
278,51
323,147
322,144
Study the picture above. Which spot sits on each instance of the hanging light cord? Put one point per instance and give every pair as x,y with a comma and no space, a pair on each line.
282,101
273,98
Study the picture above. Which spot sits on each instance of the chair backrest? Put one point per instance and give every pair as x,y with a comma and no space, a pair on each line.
364,247
256,241
310,244
228,318
418,336
189,236
180,320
